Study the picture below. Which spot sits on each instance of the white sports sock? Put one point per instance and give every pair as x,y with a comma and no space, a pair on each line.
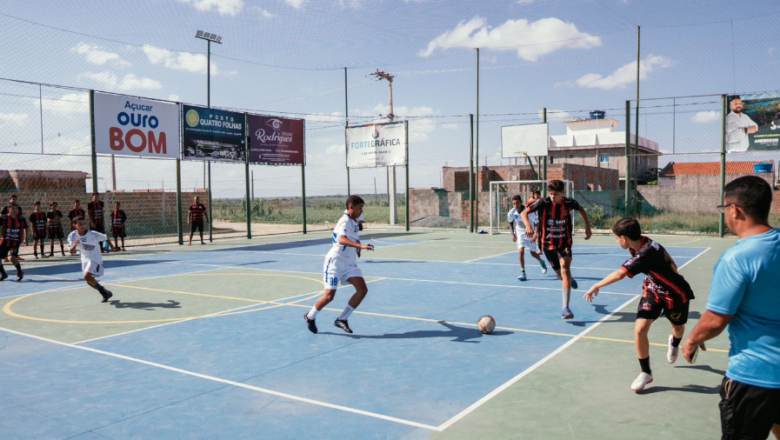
313,313
566,297
345,314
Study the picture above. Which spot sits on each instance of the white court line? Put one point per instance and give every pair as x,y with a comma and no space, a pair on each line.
541,362
233,383
508,286
491,256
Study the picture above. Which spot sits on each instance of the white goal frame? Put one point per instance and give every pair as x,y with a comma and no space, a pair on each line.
497,211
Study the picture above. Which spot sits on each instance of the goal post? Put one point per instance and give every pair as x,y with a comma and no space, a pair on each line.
501,193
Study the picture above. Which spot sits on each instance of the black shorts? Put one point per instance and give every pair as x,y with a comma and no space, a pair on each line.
118,231
6,251
198,226
554,256
650,308
747,412
55,232
99,228
39,233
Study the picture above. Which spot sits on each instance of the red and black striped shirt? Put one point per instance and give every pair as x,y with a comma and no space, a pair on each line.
96,212
54,218
73,215
118,218
38,221
662,280
555,221
197,212
12,231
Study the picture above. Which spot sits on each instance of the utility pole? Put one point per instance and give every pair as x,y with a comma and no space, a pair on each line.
113,172
391,185
253,186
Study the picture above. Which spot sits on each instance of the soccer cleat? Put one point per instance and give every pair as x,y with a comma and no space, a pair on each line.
641,382
342,324
544,267
310,323
672,352
3,276
574,284
522,277
107,295
567,314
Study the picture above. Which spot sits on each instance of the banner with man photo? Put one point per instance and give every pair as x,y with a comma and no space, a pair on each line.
377,145
275,141
753,123
211,134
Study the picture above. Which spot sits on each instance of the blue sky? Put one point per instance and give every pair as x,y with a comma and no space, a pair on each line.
288,56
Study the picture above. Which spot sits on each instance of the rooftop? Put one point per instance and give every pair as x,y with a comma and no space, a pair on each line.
675,169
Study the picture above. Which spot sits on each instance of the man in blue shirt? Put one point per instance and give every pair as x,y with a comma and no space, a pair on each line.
745,296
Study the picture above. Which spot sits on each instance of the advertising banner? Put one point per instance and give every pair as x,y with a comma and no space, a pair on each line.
275,141
211,134
376,145
525,140
136,127
753,122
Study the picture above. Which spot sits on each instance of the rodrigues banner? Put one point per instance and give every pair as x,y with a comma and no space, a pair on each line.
377,145
275,141
130,126
753,122
211,134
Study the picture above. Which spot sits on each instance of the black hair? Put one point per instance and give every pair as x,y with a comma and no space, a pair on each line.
80,218
13,196
36,203
117,203
77,201
752,194
517,197
354,201
555,185
629,228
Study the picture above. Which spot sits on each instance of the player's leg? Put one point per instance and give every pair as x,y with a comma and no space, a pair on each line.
677,317
200,231
642,343
123,239
776,427
62,246
327,296
42,244
534,250
192,231
15,261
92,281
51,247
521,253
3,254
566,286
361,290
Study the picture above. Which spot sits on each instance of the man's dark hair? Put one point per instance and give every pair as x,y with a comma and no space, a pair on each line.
81,218
629,228
752,194
95,194
536,191
37,203
354,200
117,203
517,197
555,185
77,201
13,196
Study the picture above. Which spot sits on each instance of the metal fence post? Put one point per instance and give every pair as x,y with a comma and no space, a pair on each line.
544,166
471,174
627,179
722,216
248,193
408,196
92,133
211,215
179,228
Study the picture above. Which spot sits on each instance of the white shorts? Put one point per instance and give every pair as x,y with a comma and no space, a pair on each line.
96,269
333,274
524,241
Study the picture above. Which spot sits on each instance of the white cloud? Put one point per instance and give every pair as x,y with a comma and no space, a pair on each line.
297,4
556,115
223,7
174,97
195,63
624,75
129,82
449,126
264,12
706,117
525,2
96,55
530,40
66,104
336,150
18,119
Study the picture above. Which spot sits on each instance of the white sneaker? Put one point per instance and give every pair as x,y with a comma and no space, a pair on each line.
672,352
641,382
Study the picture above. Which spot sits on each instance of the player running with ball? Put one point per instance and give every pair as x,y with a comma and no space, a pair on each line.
341,266
88,243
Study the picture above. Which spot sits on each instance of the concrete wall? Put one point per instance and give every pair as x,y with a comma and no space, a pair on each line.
591,157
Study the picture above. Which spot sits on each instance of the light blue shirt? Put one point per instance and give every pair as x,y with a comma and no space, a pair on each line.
746,284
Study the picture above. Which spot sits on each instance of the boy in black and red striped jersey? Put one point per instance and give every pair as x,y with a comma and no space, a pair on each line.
38,229
197,214
118,219
55,227
665,291
13,230
556,228
75,213
96,216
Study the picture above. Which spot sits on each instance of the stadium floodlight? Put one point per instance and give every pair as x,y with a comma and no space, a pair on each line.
208,36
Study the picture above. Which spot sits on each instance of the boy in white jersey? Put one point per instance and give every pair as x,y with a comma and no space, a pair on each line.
341,266
519,236
88,243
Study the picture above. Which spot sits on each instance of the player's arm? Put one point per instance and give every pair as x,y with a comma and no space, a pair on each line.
72,246
584,215
189,215
345,241
612,278
529,231
710,326
206,215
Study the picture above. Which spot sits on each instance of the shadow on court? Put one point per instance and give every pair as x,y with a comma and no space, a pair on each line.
622,317
698,389
75,267
459,334
391,262
146,306
704,368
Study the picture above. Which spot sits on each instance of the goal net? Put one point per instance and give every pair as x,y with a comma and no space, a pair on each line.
501,199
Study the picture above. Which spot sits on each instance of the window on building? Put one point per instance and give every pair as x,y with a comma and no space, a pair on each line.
604,158
551,159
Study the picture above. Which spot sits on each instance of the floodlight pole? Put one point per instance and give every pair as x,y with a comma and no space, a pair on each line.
635,196
391,187
217,39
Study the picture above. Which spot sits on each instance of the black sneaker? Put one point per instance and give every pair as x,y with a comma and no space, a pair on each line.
19,275
574,284
107,295
3,276
310,323
342,324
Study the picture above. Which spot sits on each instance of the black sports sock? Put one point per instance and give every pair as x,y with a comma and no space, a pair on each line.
676,341
100,288
645,364
2,270
35,251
